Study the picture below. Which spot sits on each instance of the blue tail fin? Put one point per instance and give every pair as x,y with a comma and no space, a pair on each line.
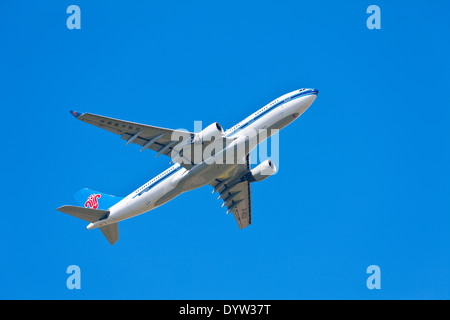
95,200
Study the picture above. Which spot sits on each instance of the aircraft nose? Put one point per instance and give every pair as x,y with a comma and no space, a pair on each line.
311,96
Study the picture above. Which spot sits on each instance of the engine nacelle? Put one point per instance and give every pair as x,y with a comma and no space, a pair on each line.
213,130
263,170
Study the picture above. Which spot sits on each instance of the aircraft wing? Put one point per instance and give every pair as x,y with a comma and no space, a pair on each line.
161,140
235,192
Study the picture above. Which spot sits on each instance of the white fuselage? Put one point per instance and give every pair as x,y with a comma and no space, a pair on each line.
176,180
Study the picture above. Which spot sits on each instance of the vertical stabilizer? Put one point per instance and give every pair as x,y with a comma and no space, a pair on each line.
111,232
95,199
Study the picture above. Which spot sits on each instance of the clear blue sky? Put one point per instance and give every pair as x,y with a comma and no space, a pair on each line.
364,173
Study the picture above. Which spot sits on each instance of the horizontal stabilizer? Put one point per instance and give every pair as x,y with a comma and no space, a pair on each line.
87,214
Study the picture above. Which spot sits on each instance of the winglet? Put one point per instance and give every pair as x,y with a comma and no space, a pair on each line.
75,114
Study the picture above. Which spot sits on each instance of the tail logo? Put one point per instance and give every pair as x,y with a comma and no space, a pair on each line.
92,201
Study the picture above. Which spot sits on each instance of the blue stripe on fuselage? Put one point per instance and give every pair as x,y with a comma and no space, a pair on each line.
288,99
158,181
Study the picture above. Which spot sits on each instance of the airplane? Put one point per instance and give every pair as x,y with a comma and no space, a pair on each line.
216,157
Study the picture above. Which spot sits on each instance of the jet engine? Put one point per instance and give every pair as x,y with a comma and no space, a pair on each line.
263,170
213,130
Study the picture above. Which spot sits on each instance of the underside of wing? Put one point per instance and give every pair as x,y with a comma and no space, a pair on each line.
240,204
172,143
235,191
149,137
